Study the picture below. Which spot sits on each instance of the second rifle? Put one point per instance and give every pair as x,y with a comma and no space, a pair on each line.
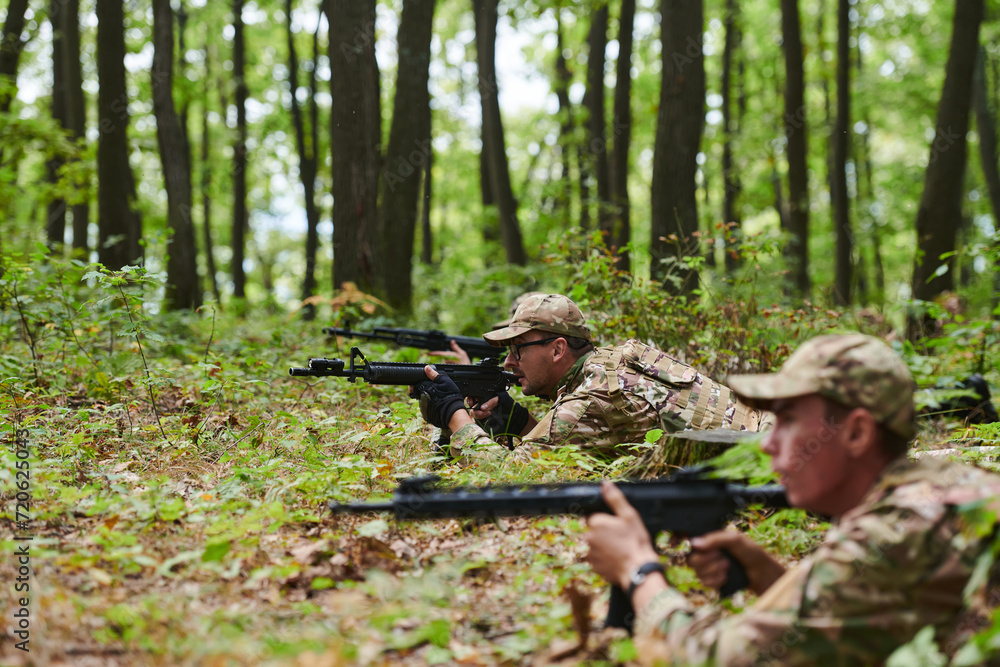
421,339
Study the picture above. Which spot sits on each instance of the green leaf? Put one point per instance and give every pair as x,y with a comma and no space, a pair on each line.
322,583
171,509
374,528
652,437
921,651
215,551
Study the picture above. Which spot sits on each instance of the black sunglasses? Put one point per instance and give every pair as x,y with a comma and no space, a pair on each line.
515,349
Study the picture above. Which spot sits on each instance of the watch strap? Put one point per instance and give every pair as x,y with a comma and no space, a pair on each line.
640,573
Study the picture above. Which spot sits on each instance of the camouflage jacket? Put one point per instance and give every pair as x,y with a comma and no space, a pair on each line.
896,563
616,395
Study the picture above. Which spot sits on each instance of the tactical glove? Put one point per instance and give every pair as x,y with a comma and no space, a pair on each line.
507,418
440,398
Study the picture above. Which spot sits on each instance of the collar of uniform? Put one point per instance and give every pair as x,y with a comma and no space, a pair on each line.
573,377
897,472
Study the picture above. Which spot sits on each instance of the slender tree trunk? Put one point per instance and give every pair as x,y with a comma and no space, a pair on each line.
119,226
308,164
940,211
206,187
355,138
76,112
11,47
679,128
563,79
988,155
621,228
838,178
408,153
732,185
55,223
596,149
240,214
486,33
866,194
426,234
183,289
795,130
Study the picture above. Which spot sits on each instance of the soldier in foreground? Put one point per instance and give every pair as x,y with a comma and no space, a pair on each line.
604,397
898,558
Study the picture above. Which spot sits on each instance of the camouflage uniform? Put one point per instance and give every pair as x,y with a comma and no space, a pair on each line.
897,562
892,565
614,395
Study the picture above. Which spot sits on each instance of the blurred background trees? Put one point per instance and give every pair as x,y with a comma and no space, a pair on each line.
408,146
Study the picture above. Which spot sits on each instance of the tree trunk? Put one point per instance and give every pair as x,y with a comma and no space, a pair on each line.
408,153
119,226
621,227
76,111
940,212
308,161
496,153
986,129
426,234
732,186
206,188
11,47
563,79
866,194
596,148
838,177
679,128
240,215
797,252
355,137
183,289
55,223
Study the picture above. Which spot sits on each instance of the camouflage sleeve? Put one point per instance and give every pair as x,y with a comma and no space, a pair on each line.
471,444
588,421
868,589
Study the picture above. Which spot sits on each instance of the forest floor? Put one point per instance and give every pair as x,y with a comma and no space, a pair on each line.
199,533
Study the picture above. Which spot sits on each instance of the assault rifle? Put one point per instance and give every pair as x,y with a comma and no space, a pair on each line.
480,381
686,504
421,339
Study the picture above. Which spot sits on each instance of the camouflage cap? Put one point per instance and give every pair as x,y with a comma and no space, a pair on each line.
852,369
513,309
542,312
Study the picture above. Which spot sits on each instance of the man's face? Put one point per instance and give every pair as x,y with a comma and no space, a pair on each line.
807,450
535,368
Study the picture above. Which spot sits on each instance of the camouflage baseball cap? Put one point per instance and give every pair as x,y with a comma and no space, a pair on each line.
513,309
854,370
542,312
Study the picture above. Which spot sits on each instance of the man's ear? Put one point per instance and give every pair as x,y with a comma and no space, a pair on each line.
559,349
860,432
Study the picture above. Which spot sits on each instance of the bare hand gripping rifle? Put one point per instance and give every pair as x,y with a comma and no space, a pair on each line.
421,339
686,504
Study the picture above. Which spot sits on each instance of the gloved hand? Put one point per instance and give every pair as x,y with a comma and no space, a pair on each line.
508,417
440,398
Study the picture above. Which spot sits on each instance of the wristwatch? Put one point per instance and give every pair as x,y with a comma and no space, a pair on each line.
639,574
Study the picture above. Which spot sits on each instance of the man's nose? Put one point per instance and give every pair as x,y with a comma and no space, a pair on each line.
768,445
509,362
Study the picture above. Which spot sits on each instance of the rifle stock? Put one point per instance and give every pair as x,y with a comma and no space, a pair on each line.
687,504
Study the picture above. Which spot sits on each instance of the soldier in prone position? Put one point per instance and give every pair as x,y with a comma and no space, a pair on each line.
604,397
907,539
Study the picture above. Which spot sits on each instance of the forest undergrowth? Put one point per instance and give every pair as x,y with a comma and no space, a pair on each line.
179,478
